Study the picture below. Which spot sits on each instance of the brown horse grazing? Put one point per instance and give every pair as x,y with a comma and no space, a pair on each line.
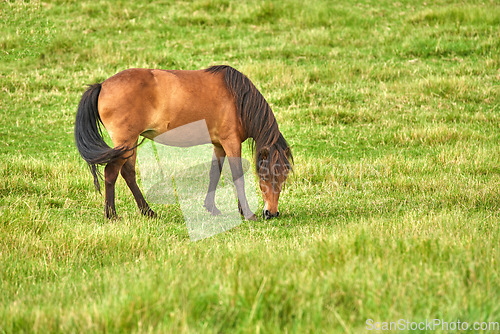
144,102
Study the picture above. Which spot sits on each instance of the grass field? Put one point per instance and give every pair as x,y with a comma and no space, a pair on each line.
393,113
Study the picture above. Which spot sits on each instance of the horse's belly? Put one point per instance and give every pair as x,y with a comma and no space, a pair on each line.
192,134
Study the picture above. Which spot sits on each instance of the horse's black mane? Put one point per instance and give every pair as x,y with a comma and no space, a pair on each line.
270,147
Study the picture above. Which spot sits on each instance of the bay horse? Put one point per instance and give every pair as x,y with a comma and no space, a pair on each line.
149,102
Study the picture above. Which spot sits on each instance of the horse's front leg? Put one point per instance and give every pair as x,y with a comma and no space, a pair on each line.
215,172
239,183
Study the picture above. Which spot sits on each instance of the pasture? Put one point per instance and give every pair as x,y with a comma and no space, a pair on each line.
392,110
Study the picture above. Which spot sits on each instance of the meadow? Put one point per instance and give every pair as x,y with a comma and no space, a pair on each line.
392,110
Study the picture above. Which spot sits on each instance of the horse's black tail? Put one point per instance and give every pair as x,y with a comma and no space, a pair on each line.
88,134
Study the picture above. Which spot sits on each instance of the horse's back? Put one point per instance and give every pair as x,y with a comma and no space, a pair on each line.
151,102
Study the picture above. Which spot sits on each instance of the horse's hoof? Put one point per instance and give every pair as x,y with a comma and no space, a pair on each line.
111,215
149,213
212,209
252,218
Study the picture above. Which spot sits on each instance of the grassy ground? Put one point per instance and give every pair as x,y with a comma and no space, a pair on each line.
392,109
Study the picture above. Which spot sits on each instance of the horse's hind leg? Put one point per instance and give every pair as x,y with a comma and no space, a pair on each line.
128,173
215,172
111,172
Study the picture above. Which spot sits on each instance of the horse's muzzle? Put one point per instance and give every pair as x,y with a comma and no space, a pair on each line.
267,214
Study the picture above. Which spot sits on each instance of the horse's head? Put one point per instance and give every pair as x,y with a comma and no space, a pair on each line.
273,167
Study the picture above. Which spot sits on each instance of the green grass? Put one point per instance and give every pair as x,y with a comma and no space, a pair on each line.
393,113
